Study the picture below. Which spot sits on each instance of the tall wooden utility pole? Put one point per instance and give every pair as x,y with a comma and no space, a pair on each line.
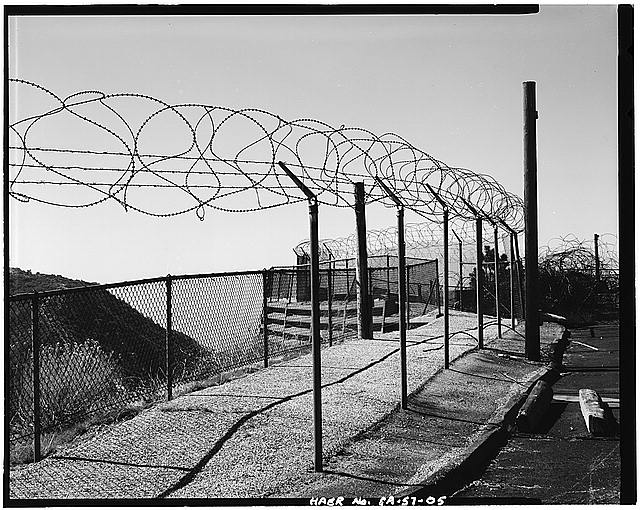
532,325
365,322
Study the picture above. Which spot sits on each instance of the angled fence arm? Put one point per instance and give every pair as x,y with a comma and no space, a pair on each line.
315,316
459,266
479,272
445,270
402,273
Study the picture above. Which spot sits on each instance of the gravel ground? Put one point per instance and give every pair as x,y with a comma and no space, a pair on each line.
252,436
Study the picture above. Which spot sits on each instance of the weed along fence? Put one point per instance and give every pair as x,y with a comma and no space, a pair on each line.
237,318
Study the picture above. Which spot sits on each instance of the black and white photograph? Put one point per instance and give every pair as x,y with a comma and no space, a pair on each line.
319,255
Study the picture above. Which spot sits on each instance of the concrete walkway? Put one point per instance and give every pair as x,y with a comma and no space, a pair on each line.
252,437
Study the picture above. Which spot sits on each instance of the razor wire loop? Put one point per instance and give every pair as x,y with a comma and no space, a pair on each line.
567,268
418,237
205,173
569,253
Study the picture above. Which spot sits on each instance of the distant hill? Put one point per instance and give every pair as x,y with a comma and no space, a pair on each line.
136,341
25,282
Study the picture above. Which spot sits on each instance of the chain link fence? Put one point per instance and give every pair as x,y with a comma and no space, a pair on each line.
510,275
289,308
101,350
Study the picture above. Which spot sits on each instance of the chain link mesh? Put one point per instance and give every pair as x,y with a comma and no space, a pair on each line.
103,349
223,316
20,402
462,262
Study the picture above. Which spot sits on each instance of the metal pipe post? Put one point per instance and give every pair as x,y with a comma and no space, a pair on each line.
532,326
388,277
315,334
362,266
35,352
168,346
519,275
461,275
315,317
330,302
279,282
402,311
446,288
512,266
408,300
496,270
438,289
265,316
595,246
401,293
479,280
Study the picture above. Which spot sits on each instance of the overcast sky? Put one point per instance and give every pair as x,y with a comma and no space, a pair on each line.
450,85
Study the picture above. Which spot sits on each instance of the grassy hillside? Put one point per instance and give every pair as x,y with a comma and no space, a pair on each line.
98,351
25,282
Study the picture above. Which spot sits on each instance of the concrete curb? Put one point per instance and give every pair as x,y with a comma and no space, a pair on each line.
535,407
491,436
557,349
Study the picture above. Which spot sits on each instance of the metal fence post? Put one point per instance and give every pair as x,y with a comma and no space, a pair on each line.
265,316
388,277
402,311
329,303
35,346
438,289
461,269
479,280
168,345
401,293
496,270
446,288
519,275
279,282
315,330
512,282
595,246
346,302
408,300
315,317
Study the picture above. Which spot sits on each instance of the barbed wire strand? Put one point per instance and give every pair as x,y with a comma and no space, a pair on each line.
237,150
